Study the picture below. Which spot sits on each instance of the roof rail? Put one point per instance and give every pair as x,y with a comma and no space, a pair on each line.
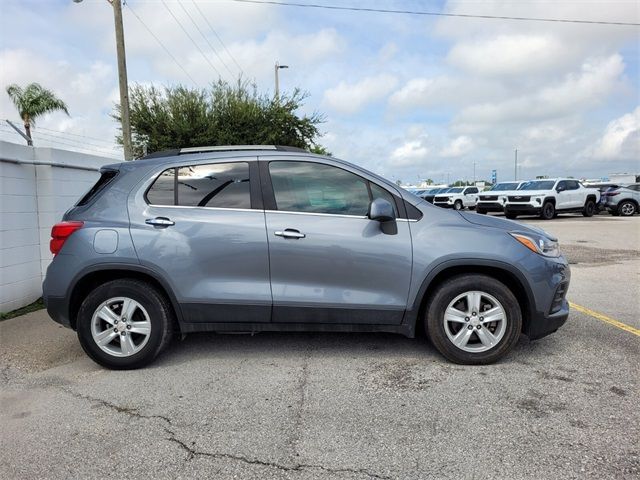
222,148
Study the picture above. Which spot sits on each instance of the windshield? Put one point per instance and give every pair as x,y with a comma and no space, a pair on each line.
538,185
504,186
455,190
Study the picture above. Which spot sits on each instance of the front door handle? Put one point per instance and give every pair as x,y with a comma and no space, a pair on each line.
289,233
159,222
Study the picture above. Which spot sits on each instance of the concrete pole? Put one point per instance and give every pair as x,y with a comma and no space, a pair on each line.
515,171
122,80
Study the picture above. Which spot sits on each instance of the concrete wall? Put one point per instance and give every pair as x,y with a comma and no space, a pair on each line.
32,198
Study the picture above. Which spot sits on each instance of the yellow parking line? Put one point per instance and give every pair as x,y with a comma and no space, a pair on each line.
604,318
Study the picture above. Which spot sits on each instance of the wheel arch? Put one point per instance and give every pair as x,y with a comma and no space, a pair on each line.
549,199
509,275
591,197
91,277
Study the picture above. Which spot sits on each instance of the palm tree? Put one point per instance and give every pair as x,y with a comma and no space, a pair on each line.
32,102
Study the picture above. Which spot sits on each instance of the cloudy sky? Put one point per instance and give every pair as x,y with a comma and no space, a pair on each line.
406,96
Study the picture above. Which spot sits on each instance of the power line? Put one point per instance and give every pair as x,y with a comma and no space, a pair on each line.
217,36
79,142
205,38
161,44
191,38
434,14
75,135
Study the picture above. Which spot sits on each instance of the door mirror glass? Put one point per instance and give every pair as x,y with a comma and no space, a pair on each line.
381,210
560,188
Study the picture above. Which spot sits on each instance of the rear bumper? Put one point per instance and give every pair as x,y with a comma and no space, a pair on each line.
57,309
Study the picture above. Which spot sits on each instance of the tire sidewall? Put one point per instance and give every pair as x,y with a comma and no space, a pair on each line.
626,214
445,293
152,303
589,208
545,210
457,205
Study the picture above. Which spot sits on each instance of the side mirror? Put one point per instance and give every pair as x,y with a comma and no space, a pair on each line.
560,189
381,210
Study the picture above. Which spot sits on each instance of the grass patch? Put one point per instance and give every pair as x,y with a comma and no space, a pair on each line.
33,307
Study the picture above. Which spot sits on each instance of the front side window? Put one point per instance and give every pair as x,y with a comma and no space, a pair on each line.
220,185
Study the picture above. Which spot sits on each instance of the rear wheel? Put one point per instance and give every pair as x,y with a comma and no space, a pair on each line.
124,324
473,319
589,208
548,211
626,208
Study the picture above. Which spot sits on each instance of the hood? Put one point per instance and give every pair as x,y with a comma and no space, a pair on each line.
528,193
503,224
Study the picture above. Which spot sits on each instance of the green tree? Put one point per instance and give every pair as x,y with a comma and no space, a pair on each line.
178,117
34,101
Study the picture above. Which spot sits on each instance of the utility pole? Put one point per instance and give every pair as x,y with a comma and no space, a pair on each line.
276,70
122,78
474,173
515,171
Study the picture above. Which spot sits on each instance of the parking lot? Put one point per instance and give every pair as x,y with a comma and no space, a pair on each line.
344,406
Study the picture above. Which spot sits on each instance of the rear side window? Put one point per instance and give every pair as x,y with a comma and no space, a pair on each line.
104,180
219,185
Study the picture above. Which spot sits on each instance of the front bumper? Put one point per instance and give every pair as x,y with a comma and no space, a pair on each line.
523,208
443,204
489,206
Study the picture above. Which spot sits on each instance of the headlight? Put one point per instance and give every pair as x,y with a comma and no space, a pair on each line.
538,244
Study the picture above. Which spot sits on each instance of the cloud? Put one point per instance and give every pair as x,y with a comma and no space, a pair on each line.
458,147
349,98
621,138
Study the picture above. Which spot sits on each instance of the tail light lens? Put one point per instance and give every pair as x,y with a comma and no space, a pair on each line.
612,194
60,232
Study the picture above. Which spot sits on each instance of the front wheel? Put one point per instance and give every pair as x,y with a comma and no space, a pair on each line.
626,208
124,324
458,205
589,208
511,216
480,211
473,319
548,211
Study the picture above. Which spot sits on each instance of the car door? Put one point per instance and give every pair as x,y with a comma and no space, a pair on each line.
470,196
329,262
564,196
201,228
578,194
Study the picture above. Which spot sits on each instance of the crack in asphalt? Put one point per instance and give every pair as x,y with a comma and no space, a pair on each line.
192,452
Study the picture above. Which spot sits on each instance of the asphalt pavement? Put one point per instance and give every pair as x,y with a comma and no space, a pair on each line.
343,406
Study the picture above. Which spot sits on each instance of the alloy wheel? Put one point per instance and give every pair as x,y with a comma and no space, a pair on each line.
120,326
627,209
475,321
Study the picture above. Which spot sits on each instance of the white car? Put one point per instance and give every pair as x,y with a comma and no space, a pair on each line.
457,198
489,200
549,197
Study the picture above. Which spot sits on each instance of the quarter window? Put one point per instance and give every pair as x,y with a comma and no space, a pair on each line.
221,185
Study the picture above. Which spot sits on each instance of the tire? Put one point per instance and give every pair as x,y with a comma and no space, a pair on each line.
589,208
548,211
457,205
480,211
627,208
511,216
149,312
475,351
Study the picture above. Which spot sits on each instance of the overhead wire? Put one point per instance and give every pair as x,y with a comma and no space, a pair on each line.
213,30
205,38
161,44
191,38
436,14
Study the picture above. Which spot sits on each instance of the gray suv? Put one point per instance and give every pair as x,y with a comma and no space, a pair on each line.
265,238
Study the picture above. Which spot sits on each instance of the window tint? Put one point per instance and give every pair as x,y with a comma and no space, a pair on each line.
317,188
572,185
102,182
222,185
472,190
379,192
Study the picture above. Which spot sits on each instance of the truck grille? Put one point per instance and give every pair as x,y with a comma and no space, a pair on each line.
489,197
519,198
441,199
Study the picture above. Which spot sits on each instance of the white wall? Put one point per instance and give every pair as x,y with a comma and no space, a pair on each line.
33,198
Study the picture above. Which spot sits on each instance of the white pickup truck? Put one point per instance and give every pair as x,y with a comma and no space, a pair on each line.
549,197
457,198
489,200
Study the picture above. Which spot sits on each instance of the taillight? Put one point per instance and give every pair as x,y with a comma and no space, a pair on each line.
60,232
612,194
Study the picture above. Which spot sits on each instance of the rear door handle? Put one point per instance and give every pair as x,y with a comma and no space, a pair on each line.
289,233
159,222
